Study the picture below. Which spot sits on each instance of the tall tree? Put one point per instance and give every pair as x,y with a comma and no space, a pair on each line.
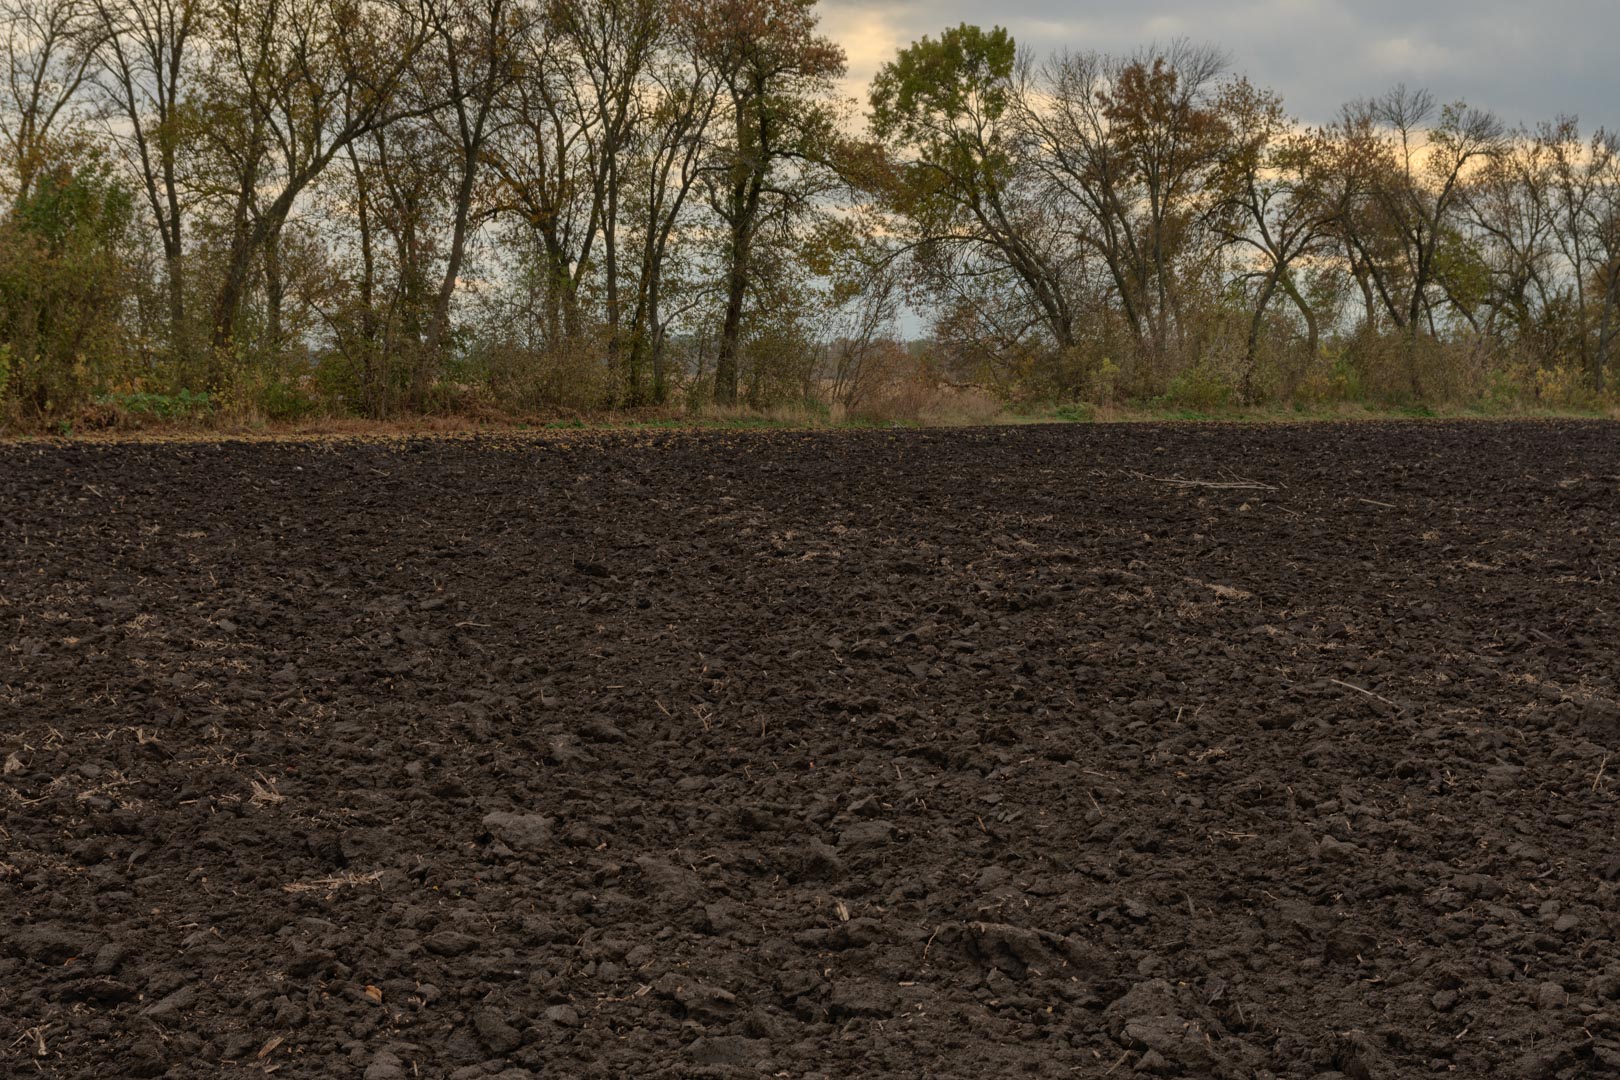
1508,210
477,57
1278,179
611,43
948,111
1583,194
1602,214
777,73
145,69
665,168
1417,157
1135,145
299,80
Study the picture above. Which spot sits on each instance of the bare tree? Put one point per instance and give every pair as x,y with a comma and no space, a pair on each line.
1423,153
668,161
478,49
1134,145
144,69
1508,206
1582,191
48,47
1602,215
1279,181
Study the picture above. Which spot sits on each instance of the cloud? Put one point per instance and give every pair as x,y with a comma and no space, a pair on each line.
1525,61
871,34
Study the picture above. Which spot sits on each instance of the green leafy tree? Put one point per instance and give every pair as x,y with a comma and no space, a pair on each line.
948,111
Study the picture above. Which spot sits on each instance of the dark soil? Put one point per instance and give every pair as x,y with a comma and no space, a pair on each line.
970,754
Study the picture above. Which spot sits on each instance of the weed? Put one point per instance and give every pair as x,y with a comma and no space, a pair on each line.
181,405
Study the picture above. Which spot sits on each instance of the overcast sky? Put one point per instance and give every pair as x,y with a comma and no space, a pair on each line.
1526,60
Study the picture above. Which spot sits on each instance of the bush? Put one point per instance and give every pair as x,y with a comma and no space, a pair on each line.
65,273
1563,388
1199,387
288,399
182,405
1339,382
572,378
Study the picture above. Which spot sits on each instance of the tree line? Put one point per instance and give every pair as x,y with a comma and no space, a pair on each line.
389,206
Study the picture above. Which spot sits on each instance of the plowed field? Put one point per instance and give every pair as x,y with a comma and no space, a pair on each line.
1066,751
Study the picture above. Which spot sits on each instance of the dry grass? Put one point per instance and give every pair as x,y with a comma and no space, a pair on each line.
918,402
332,884
265,793
910,402
1325,412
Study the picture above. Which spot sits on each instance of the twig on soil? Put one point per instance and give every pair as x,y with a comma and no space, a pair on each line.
1117,1064
329,883
1240,484
1375,502
34,1034
930,943
1597,781
1369,693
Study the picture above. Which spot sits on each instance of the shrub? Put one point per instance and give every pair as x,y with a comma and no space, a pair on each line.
181,405
1199,387
64,286
288,399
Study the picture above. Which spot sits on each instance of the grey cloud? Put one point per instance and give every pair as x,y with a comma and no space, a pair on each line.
1524,60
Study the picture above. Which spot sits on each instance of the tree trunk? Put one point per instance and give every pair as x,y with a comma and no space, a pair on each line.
610,271
174,254
1606,330
246,242
274,292
1251,350
238,264
725,364
660,388
227,306
1313,332
173,262
439,321
745,206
